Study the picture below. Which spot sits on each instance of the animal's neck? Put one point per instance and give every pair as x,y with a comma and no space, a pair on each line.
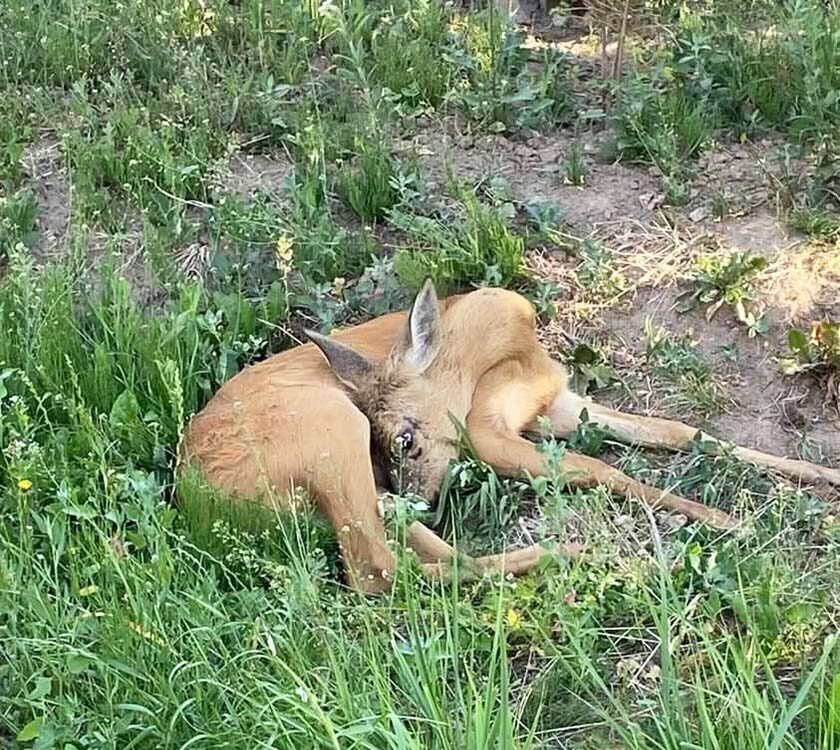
482,330
487,327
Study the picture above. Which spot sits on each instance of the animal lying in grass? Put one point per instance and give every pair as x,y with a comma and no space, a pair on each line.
383,398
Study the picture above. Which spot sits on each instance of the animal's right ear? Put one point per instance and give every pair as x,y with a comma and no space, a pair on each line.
352,369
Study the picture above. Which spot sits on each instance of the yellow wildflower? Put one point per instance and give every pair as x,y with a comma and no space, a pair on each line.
283,254
24,485
514,619
147,634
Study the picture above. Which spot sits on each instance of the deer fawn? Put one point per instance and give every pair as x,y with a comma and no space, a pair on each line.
336,415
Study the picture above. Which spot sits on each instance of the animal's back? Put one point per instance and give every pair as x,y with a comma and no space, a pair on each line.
259,422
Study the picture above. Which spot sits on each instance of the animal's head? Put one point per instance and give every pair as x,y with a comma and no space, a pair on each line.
408,398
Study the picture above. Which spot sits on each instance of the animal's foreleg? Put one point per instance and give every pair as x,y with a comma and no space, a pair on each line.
438,557
513,455
346,495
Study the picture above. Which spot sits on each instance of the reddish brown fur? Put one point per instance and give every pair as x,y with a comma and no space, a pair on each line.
290,421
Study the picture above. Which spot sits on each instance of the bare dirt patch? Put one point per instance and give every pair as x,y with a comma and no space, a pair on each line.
804,283
760,232
246,175
760,406
733,179
125,253
57,240
534,171
47,177
764,409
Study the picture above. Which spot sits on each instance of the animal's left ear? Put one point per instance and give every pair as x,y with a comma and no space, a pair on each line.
420,341
351,368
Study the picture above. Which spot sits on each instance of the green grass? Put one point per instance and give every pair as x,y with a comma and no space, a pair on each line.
366,185
127,618
135,613
18,212
575,168
659,124
688,380
477,244
736,72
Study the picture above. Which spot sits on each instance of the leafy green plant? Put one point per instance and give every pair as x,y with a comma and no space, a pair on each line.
12,137
719,281
304,243
658,123
555,103
367,183
411,55
378,290
782,75
679,363
771,72
496,86
543,294
545,216
820,224
321,301
575,167
478,247
478,507
18,213
590,369
589,438
156,164
597,270
817,349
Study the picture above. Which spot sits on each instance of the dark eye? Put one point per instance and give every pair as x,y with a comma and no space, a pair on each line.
404,442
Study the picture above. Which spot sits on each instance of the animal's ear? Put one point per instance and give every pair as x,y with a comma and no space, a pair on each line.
351,368
420,341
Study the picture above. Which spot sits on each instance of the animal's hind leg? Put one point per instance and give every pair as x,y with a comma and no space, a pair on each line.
652,432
